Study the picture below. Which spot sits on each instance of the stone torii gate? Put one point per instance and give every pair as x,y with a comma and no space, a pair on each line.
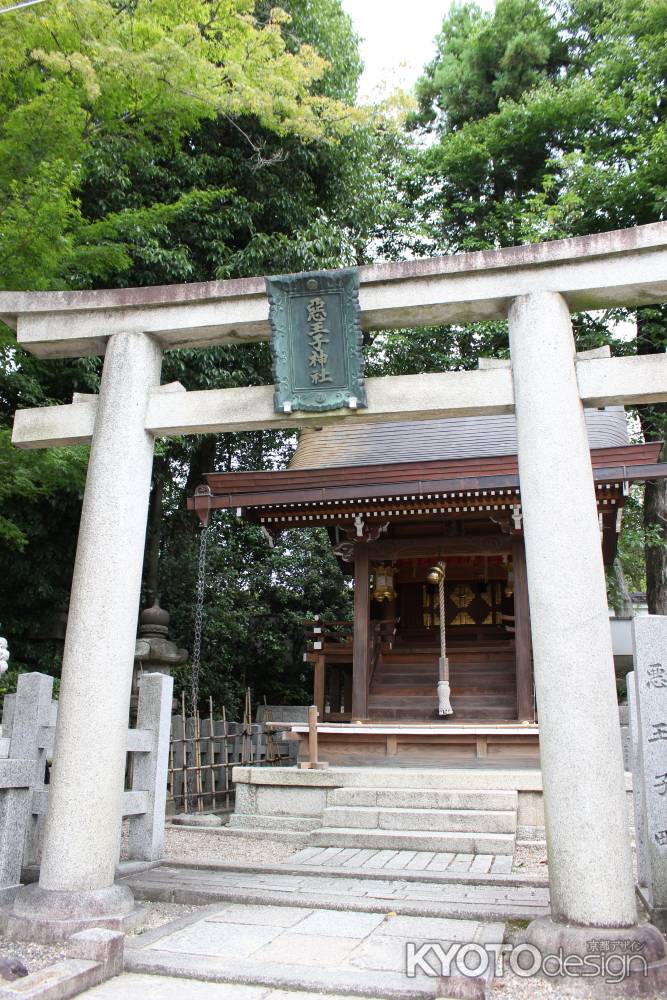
547,388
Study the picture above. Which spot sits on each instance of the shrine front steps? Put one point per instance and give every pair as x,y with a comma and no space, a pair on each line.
440,820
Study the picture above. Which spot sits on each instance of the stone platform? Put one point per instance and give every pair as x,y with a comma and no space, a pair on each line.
460,810
450,810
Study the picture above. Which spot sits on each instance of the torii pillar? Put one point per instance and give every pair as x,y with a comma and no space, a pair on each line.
586,817
83,823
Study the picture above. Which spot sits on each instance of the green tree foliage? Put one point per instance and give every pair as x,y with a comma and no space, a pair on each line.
146,74
181,142
546,123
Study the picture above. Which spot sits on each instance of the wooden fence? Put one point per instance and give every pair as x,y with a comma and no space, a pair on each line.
204,749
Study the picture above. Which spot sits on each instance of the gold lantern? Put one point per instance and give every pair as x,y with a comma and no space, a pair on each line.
383,583
509,586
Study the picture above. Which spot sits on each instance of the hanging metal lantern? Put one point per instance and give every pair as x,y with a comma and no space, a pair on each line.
383,583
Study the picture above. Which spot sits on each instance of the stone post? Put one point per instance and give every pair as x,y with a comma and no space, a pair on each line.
84,811
637,781
149,773
649,640
586,818
26,713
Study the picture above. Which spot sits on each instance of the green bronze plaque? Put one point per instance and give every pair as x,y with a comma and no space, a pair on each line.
316,340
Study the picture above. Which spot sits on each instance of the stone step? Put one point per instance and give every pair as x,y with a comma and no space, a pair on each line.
257,821
418,820
426,798
408,840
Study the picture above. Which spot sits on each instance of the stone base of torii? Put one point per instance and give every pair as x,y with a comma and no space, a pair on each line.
536,287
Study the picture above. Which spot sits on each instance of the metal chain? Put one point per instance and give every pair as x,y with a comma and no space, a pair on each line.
199,619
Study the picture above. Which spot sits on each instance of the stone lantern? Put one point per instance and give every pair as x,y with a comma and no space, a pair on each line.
154,651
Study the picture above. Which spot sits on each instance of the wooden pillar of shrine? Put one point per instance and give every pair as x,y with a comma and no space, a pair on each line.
360,645
525,700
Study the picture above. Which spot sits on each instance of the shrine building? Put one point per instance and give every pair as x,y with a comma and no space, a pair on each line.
398,499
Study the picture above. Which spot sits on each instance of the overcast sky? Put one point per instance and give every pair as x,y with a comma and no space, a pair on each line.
397,38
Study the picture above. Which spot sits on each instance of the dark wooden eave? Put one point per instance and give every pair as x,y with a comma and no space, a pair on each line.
387,483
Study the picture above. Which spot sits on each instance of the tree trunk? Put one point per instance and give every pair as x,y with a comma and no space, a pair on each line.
624,603
655,524
202,460
152,563
652,339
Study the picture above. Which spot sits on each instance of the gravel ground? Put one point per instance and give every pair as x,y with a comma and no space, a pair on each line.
200,845
163,913
530,861
39,956
33,956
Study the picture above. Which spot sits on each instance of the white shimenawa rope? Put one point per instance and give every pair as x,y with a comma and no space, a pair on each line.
444,691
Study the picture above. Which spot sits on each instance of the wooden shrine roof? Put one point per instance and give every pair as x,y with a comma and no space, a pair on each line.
360,486
349,443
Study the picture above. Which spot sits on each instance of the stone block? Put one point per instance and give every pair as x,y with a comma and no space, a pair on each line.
291,801
361,817
56,982
256,913
429,929
149,773
447,820
280,824
530,808
197,819
14,815
212,937
97,944
320,950
339,923
352,797
401,860
246,797
450,799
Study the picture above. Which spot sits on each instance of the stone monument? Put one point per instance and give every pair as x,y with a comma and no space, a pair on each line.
649,740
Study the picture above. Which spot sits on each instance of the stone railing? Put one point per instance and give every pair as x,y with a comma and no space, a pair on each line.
26,750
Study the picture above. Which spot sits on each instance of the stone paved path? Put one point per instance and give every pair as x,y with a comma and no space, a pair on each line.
311,948
483,899
426,861
134,985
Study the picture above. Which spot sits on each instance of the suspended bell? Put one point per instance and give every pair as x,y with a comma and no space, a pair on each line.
383,583
436,573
